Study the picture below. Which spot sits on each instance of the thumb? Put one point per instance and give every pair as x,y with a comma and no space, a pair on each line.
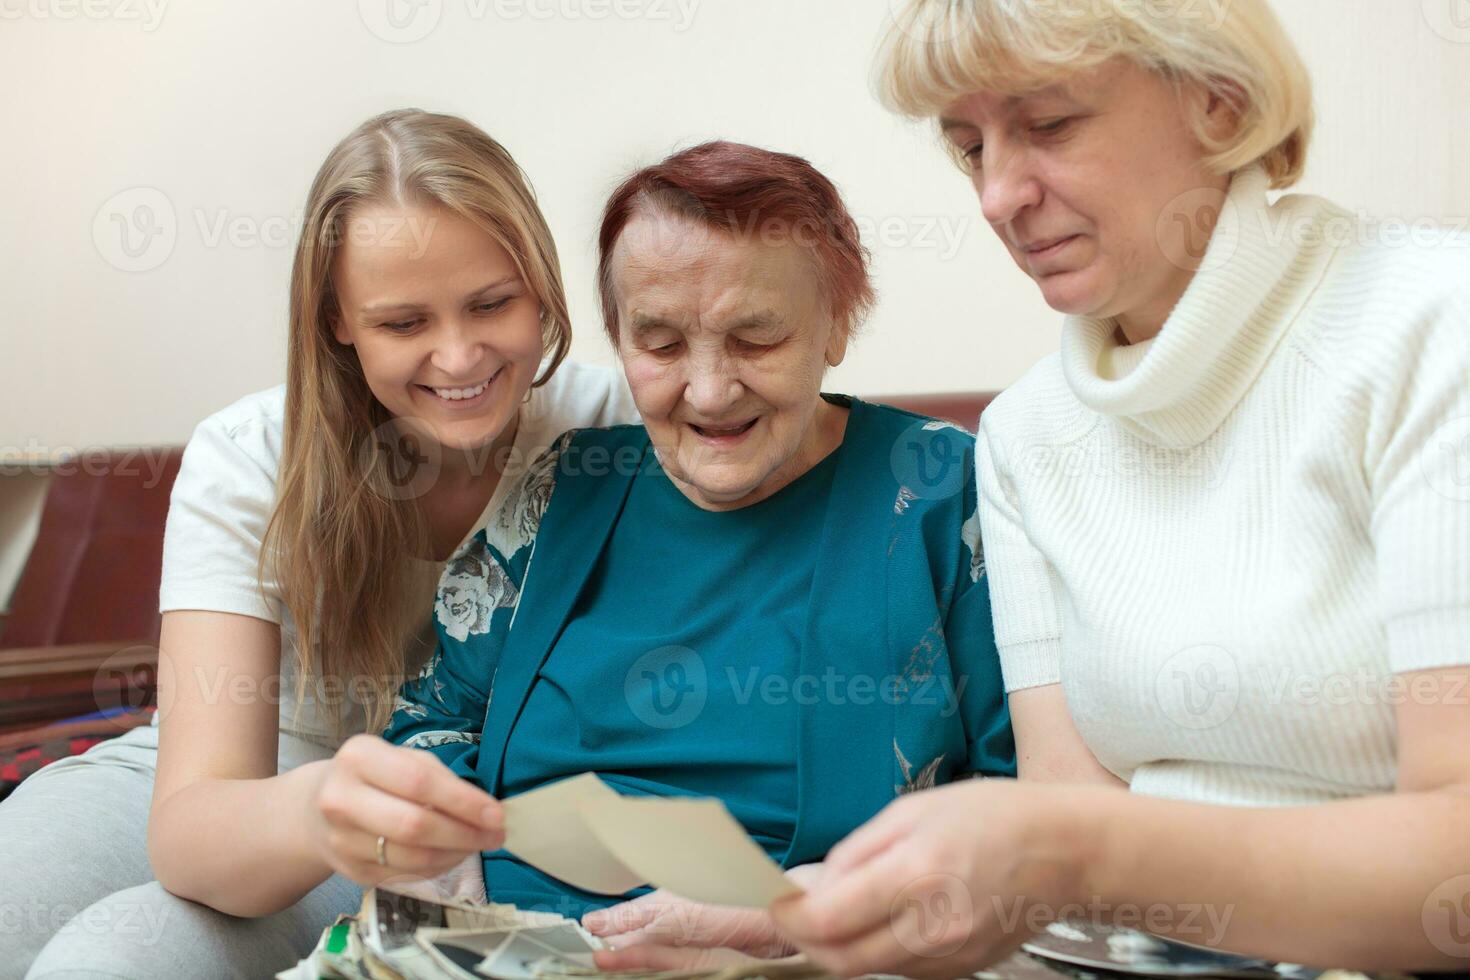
871,839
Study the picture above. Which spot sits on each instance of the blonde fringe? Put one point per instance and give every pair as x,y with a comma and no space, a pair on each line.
937,51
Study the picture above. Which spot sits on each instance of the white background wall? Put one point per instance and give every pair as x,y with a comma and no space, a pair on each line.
225,110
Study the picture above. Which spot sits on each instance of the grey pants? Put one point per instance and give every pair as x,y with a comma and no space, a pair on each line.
78,899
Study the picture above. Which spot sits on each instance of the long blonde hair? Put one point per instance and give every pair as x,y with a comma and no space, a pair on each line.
340,535
941,50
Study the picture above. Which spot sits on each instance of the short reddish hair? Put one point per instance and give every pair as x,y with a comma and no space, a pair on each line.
746,191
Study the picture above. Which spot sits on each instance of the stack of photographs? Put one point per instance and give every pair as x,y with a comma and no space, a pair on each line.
396,936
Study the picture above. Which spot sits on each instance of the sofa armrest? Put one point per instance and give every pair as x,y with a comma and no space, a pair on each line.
17,661
39,685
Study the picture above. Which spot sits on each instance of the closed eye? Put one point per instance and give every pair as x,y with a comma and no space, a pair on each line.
492,307
1052,128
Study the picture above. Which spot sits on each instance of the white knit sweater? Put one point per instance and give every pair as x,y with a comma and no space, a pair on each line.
1226,543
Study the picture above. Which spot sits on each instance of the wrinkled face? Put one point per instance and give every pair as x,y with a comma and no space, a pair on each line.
724,342
447,333
1082,182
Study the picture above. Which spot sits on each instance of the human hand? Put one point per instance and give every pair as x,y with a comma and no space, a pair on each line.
430,821
943,882
662,931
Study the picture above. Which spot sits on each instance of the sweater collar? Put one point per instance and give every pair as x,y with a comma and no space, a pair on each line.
1174,391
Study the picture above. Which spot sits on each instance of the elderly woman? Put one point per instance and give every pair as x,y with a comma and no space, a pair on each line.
1228,526
764,594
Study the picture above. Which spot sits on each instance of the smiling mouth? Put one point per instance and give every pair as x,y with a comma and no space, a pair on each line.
461,394
726,432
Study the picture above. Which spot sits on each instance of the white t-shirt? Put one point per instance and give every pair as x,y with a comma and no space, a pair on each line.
226,491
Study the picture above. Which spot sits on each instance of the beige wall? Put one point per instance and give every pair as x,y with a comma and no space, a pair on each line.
215,115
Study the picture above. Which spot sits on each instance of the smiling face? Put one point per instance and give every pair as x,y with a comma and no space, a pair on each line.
447,332
1078,179
725,343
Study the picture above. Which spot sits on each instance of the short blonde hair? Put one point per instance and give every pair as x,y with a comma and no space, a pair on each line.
940,50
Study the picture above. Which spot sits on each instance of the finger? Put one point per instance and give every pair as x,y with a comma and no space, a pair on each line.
709,926
861,956
362,849
845,906
627,916
661,918
370,874
670,921
655,958
885,949
905,947
406,823
418,776
934,929
807,876
872,838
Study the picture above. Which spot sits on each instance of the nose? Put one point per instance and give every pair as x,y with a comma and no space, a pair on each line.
458,352
1007,184
712,385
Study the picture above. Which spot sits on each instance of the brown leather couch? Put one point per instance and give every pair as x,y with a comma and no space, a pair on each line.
961,408
82,633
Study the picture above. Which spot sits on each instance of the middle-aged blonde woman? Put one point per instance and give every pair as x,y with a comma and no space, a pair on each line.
1228,525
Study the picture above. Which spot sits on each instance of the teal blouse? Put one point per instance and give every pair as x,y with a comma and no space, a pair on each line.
656,680
804,659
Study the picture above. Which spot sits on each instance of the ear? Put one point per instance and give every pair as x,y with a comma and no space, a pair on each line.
1221,107
339,328
331,307
837,342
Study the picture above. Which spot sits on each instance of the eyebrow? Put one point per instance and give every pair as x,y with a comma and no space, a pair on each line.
759,320
648,322
642,323
377,309
949,123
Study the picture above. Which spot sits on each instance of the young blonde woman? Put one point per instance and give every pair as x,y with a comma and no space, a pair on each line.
1227,526
428,323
